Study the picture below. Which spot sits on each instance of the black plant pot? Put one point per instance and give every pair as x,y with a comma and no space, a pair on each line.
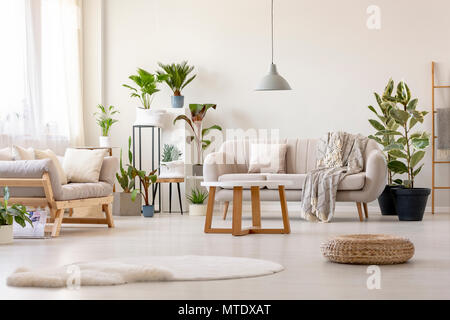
386,201
410,203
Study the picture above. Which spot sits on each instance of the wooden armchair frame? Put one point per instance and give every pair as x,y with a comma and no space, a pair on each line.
57,208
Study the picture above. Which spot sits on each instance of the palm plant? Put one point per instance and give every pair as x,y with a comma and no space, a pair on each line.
197,196
198,113
16,212
177,75
104,118
405,147
125,178
147,84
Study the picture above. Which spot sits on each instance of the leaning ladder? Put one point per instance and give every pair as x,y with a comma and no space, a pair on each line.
434,161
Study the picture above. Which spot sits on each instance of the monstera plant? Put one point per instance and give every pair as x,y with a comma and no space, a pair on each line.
405,147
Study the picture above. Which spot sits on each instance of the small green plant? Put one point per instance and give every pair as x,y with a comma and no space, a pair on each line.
170,153
16,212
125,178
177,75
146,181
197,196
198,113
405,148
104,118
147,84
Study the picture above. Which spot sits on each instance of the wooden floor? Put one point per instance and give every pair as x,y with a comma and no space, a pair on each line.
307,274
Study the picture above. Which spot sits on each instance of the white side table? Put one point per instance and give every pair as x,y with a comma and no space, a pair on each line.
238,187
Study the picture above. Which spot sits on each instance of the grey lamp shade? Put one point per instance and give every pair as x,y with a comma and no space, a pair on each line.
273,81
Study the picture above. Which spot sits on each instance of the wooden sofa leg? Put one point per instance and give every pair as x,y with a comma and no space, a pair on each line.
225,209
358,205
109,218
59,215
366,210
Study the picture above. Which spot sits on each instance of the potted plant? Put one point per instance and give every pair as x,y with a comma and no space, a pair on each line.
385,124
409,150
198,113
177,80
197,199
105,121
147,86
146,181
171,165
9,214
128,202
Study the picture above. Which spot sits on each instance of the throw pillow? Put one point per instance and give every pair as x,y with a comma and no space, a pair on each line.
82,165
20,153
267,158
6,154
49,154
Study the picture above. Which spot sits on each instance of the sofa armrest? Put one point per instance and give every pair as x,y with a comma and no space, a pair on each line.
376,175
109,168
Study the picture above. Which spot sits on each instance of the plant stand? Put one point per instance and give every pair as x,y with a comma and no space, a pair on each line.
170,181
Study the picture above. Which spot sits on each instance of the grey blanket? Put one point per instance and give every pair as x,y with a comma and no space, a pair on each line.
338,155
443,133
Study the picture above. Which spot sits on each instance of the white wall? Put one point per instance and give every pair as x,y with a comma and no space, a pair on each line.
323,48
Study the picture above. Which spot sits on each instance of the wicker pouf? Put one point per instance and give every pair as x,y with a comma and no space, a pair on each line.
368,249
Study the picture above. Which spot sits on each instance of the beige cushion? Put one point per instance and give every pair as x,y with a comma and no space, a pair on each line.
20,153
83,165
72,191
350,182
240,177
6,154
267,158
49,154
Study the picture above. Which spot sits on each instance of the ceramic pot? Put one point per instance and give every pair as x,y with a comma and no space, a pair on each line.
148,211
410,203
197,209
172,169
177,101
124,206
104,142
6,234
150,117
386,201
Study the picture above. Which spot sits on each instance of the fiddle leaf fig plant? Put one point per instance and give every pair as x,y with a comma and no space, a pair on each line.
406,148
147,84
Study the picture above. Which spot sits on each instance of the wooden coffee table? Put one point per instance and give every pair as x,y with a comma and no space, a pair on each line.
238,187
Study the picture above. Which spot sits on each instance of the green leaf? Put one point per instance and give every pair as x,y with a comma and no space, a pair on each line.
378,126
376,139
420,143
398,181
393,146
6,194
412,105
388,133
416,158
134,194
207,130
400,116
397,167
397,154
417,171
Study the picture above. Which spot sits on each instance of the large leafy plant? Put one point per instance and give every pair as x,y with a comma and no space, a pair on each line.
147,84
198,113
16,212
104,118
125,177
406,148
177,75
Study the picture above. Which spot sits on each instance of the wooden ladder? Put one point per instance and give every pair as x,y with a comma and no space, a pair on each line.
435,162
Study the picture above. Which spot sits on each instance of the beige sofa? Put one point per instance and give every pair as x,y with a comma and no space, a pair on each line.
36,183
231,163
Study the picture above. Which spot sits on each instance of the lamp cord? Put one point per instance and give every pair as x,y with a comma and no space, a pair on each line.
272,28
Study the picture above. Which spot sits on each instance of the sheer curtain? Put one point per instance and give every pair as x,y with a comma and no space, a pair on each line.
40,77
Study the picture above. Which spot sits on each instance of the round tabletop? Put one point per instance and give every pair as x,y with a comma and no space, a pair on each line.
247,183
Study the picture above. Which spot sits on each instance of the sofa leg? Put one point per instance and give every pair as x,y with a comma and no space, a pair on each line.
366,210
108,214
358,205
59,215
225,209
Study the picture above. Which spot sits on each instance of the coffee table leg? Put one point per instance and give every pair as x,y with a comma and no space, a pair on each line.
237,211
256,207
210,209
284,210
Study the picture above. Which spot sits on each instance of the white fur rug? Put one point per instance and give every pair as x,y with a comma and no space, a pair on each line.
164,268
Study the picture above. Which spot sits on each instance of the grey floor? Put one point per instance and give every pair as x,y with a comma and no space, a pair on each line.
307,274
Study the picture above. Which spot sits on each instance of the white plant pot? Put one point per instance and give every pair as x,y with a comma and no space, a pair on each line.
150,117
104,142
172,169
6,234
197,209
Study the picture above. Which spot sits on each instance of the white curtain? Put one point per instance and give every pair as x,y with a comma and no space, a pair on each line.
40,74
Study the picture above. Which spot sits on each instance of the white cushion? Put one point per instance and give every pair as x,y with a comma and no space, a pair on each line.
6,154
350,182
82,165
267,158
20,153
49,154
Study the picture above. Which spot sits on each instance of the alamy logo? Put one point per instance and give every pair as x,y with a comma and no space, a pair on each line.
374,280
374,19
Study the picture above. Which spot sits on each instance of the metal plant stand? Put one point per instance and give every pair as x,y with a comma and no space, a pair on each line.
139,132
